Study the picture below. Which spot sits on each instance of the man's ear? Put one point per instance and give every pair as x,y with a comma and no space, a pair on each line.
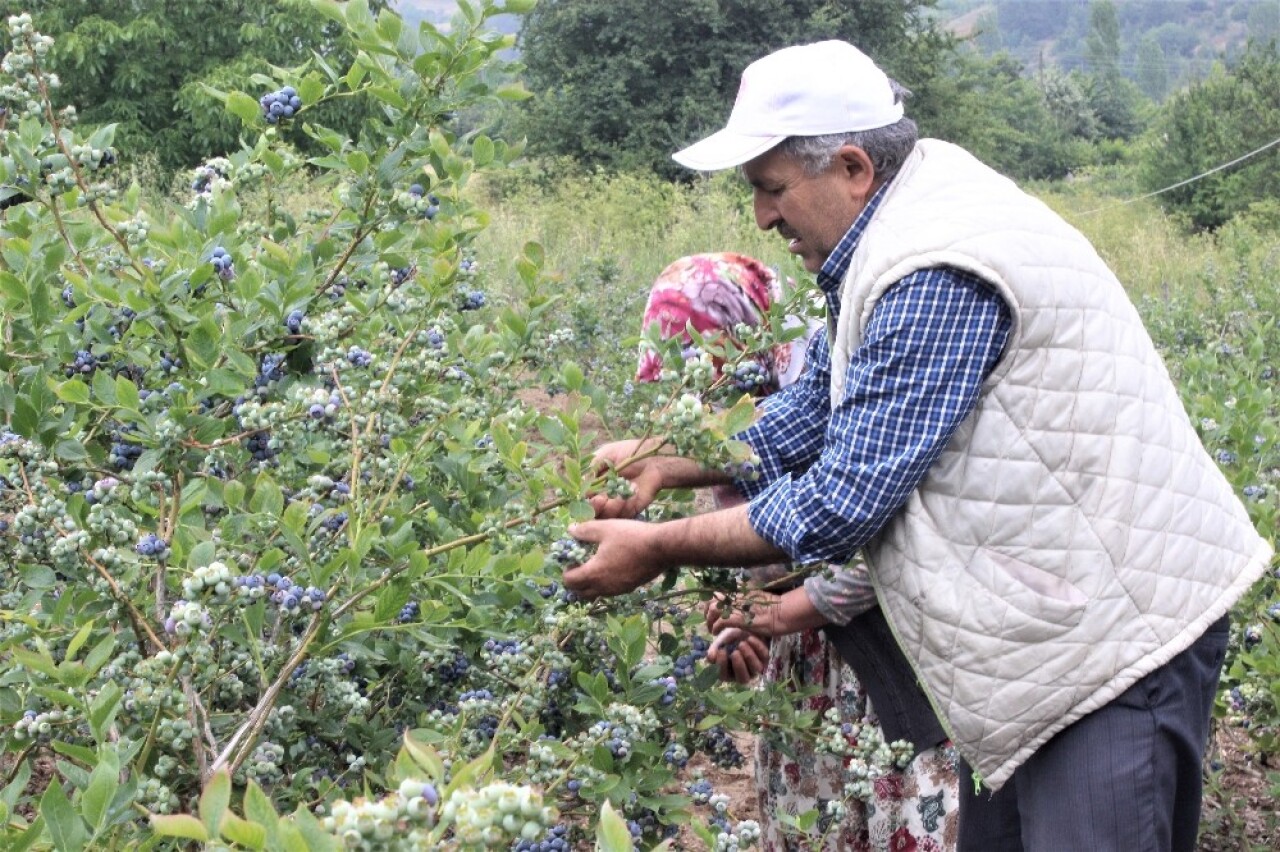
855,166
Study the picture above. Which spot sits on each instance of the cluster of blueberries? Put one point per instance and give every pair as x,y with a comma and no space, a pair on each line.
84,363
335,522
555,840
283,592
280,104
499,647
749,376
124,453
720,748
409,612
152,546
684,665
669,690
433,203
454,670
223,263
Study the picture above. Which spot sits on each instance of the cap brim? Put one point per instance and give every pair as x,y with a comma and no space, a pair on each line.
724,150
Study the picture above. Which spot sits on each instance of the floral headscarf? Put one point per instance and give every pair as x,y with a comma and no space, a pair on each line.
713,293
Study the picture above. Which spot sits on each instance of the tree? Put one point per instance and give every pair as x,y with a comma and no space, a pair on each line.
1153,69
142,64
1004,119
617,85
1230,113
1114,99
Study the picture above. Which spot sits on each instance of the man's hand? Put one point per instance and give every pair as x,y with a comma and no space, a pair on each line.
627,556
647,476
741,655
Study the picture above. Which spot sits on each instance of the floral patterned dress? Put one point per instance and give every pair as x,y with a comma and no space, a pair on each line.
910,809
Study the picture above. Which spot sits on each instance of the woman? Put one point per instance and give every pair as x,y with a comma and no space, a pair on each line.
911,808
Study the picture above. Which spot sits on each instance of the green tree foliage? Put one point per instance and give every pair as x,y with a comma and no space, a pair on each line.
1229,114
143,64
1115,100
1007,121
1153,69
616,84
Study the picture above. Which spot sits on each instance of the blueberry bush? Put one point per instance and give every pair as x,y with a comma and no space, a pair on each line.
280,530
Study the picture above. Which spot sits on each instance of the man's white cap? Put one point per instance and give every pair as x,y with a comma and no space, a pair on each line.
808,90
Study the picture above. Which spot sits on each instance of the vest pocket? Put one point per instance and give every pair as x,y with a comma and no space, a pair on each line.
1051,604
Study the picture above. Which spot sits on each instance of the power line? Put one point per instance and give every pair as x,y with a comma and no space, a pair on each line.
1215,169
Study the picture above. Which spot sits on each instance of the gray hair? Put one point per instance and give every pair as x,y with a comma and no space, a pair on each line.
888,146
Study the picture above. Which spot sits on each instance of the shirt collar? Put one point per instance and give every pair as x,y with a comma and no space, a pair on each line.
832,273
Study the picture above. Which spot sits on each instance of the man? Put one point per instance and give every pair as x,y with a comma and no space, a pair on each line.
990,424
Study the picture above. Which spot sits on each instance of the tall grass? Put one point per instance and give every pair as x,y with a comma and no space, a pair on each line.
632,226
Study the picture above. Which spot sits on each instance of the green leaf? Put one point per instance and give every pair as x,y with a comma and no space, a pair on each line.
424,756
202,554
233,494
612,834
512,92
311,90
25,419
66,828
258,808
104,389
12,289
77,641
103,783
127,393
358,16
27,839
308,829
73,391
243,832
482,150
179,825
202,344
267,496
244,107
214,800
102,710
742,415
69,449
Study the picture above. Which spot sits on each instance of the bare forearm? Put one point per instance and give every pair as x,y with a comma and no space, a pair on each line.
715,538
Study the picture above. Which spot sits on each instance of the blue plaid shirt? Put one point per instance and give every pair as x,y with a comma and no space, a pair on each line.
829,480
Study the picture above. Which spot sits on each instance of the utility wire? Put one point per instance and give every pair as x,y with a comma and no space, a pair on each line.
1240,159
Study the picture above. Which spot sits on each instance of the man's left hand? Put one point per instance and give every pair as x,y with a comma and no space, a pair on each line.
627,556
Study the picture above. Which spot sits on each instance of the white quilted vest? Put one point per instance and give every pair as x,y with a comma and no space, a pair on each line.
1075,534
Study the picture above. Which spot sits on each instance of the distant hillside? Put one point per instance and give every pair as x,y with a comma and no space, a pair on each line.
1189,34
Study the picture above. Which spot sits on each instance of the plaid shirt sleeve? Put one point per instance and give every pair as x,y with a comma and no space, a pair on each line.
788,434
932,339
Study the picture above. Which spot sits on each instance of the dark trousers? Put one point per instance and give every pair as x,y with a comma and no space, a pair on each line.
1125,778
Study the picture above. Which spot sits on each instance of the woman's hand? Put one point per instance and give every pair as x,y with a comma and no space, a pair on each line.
741,656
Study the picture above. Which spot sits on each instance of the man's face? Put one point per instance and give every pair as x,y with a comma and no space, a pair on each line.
813,212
